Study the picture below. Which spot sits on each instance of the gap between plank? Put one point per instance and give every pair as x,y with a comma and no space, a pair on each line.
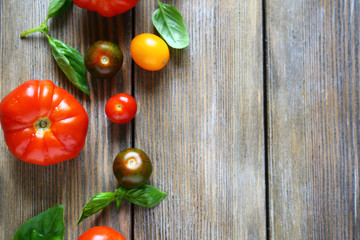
266,120
132,234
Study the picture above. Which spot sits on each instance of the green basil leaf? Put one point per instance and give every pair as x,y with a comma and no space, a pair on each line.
98,202
71,63
118,203
48,225
58,7
171,26
145,196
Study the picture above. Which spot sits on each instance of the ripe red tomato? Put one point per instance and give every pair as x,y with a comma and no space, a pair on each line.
149,51
107,8
132,167
101,233
43,124
103,59
121,108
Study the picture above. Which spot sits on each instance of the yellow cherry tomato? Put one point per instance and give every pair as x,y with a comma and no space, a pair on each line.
149,51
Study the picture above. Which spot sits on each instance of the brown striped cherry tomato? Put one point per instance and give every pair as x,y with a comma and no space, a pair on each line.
132,167
103,59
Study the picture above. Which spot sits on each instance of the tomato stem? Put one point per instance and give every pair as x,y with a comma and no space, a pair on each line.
132,162
104,60
42,125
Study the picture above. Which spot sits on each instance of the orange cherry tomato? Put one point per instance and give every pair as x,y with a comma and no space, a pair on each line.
121,108
43,124
149,51
101,233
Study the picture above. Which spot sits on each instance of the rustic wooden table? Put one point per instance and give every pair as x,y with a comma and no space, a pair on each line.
253,129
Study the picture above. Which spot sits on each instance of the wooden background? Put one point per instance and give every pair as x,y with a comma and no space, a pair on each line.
253,129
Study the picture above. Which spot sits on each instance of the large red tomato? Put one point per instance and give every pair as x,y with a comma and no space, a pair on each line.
107,8
43,124
101,233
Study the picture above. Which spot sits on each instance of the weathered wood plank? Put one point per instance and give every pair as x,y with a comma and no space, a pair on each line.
26,190
313,99
201,121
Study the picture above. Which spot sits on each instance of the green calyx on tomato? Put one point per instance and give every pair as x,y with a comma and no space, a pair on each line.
132,168
107,8
103,59
43,124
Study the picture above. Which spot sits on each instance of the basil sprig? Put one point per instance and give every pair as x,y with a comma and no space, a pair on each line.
145,196
56,8
171,26
70,61
47,225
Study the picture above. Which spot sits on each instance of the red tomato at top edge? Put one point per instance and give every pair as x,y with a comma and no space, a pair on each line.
121,108
43,124
107,8
101,233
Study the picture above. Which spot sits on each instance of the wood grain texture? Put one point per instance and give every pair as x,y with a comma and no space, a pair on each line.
27,190
313,100
200,120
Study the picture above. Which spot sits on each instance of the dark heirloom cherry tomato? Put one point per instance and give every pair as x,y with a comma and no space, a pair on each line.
101,233
132,168
103,59
43,124
121,108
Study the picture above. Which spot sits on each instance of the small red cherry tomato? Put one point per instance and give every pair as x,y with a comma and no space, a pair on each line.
121,108
107,8
43,124
132,167
103,59
101,233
